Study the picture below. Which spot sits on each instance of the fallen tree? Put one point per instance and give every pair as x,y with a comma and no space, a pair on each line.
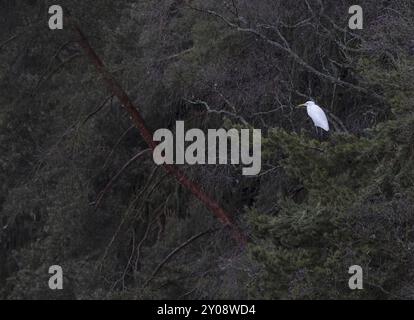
117,90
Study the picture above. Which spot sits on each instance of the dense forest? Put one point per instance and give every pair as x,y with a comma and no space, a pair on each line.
79,190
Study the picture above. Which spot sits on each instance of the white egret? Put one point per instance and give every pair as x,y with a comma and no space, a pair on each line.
317,115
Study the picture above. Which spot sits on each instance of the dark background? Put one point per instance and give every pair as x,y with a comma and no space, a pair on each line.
319,206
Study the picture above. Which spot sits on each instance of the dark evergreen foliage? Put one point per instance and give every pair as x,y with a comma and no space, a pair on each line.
319,206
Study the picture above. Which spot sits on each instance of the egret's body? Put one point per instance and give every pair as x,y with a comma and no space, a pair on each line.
317,115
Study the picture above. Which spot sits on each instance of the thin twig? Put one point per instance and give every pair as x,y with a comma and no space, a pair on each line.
9,40
115,177
100,107
116,145
124,218
54,71
175,251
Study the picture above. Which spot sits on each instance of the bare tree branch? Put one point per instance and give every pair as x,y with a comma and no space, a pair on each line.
209,110
286,48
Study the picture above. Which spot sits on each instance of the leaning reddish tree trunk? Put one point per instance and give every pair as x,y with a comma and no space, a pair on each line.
139,122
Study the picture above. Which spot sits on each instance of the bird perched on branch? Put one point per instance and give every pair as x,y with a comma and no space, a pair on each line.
317,115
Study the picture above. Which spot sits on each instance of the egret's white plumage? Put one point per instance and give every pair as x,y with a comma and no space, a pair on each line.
317,115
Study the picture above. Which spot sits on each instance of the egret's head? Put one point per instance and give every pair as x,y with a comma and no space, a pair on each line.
306,104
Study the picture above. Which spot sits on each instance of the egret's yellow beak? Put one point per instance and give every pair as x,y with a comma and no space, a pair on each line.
302,105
